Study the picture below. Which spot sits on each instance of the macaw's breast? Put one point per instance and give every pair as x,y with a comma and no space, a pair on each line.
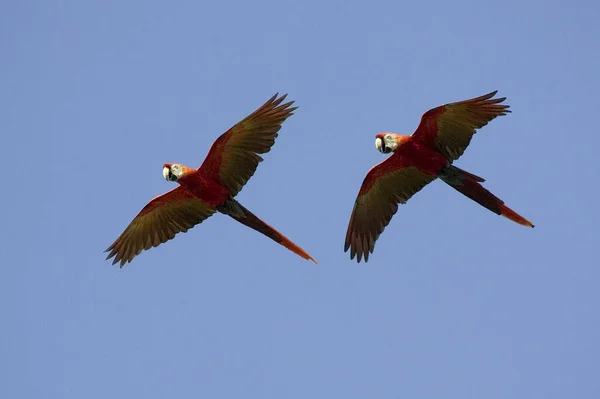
210,192
426,159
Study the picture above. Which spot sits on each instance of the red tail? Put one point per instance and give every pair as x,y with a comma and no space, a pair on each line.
469,185
250,220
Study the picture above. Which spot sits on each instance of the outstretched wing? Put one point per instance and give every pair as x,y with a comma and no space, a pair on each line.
387,184
233,158
166,215
449,128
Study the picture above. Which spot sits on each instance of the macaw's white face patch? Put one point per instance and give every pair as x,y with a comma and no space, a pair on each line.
173,173
387,144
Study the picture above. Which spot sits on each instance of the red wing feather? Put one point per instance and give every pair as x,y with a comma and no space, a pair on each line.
387,184
450,127
233,157
166,215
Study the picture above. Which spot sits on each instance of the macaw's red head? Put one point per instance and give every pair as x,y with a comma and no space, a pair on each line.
174,171
388,142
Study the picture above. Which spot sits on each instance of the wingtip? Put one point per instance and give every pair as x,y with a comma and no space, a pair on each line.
116,259
485,97
278,98
277,103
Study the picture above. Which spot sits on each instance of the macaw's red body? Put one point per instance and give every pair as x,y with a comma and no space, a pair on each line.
231,161
441,138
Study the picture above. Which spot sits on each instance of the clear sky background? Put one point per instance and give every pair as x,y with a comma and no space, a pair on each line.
456,302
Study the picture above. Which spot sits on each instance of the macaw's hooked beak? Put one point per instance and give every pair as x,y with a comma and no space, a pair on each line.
167,173
381,147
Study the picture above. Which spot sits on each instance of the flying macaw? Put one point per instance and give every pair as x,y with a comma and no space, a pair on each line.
231,161
441,138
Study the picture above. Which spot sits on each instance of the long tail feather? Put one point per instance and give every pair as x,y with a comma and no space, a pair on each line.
247,218
469,185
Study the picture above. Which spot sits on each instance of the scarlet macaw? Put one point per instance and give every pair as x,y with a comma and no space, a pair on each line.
231,161
441,138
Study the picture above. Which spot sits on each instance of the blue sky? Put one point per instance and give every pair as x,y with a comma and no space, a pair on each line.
456,302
